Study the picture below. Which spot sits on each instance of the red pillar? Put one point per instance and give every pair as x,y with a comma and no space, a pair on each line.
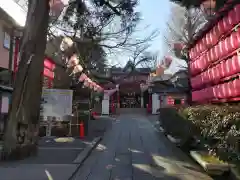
15,59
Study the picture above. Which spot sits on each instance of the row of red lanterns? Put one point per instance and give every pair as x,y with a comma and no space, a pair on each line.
221,50
221,91
87,82
49,67
212,37
225,69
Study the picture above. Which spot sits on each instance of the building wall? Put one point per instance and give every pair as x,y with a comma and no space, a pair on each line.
169,99
4,52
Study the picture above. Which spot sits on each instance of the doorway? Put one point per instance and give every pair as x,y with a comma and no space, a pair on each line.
130,100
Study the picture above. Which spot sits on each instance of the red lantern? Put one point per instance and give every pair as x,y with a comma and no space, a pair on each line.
86,83
91,85
77,69
48,73
82,77
95,87
49,64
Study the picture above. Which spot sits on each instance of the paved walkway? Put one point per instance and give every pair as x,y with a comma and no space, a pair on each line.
134,150
55,160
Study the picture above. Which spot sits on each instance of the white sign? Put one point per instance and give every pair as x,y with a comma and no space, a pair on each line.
6,40
106,96
5,104
56,103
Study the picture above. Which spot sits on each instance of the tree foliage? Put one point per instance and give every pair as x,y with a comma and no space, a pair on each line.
183,28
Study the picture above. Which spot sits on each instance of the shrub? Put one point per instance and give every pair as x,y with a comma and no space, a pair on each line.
217,125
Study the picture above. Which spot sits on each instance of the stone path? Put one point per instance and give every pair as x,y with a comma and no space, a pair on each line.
133,150
55,160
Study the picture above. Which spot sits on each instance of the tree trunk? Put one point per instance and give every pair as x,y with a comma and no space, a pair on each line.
21,133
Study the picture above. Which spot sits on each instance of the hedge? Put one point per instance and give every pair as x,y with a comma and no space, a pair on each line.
217,126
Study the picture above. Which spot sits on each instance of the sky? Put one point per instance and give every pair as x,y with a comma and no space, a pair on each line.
155,13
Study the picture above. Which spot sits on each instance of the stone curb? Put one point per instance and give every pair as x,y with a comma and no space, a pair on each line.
234,174
79,160
86,152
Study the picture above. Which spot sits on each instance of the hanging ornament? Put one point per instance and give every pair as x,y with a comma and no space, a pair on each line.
73,61
82,77
77,69
66,44
89,82
95,88
91,85
86,83
98,88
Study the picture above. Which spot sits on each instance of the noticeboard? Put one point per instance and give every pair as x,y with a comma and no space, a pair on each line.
56,103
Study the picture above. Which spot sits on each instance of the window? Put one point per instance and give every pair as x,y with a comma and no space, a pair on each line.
6,40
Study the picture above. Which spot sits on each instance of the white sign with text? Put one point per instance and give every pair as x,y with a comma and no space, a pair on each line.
56,103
